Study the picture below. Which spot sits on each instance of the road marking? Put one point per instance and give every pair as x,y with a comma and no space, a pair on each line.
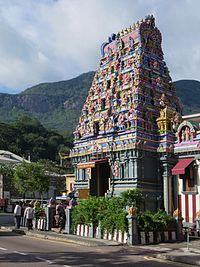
42,259
3,248
20,253
67,266
165,261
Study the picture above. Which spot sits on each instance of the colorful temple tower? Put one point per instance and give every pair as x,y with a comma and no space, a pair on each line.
125,135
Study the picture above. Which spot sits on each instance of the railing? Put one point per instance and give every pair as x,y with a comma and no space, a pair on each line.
191,231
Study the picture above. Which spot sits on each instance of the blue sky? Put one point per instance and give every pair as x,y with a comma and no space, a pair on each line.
52,40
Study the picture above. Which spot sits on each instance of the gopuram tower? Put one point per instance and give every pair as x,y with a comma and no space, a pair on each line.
125,135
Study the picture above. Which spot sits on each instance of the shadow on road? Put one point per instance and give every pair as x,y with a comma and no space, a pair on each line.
122,257
8,233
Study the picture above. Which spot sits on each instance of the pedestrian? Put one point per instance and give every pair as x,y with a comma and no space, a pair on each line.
60,216
17,214
72,202
29,215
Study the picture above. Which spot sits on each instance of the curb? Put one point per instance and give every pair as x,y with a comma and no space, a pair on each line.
66,238
188,258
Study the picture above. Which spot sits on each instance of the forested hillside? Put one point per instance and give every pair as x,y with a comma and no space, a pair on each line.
189,93
58,105
28,138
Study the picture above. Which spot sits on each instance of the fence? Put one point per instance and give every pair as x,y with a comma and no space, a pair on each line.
95,232
132,237
157,237
191,231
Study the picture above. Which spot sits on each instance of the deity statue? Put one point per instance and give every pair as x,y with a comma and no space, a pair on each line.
116,169
187,134
119,43
132,211
176,119
177,213
102,125
130,44
182,135
126,78
124,99
163,101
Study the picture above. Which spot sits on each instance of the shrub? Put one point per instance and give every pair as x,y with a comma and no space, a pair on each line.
39,212
107,211
114,216
157,222
88,211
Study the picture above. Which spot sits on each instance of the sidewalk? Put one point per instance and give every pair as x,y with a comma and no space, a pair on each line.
177,252
182,255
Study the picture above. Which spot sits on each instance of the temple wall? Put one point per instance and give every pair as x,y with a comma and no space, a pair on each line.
189,202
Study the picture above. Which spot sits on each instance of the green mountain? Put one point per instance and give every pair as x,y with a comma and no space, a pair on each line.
28,137
58,105
189,93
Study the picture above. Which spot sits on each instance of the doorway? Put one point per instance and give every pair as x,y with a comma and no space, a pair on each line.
99,183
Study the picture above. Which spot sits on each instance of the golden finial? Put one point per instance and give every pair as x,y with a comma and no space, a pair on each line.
129,29
133,27
125,31
137,24
122,33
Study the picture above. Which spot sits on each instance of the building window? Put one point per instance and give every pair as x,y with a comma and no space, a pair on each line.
189,180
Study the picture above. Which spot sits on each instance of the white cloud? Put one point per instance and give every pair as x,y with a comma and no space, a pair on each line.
56,40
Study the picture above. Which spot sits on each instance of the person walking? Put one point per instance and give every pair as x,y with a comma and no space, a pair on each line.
17,214
29,215
60,216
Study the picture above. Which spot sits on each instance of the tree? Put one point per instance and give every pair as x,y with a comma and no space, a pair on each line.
22,179
7,170
31,177
133,198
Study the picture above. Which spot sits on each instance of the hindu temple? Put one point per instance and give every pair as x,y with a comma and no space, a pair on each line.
126,132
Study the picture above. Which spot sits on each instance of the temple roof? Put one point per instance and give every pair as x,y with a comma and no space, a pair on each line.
130,86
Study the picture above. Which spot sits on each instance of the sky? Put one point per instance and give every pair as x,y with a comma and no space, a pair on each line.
54,40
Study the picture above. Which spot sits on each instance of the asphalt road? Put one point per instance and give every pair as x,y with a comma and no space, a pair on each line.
17,250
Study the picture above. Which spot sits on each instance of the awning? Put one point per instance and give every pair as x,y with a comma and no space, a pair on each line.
90,164
179,168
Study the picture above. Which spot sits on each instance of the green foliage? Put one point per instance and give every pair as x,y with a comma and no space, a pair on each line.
114,216
7,170
87,211
38,211
190,100
107,211
157,222
133,198
31,177
27,136
56,105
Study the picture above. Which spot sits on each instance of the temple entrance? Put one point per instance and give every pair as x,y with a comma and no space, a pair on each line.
99,183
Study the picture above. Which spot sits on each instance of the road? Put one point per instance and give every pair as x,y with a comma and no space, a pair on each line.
17,250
